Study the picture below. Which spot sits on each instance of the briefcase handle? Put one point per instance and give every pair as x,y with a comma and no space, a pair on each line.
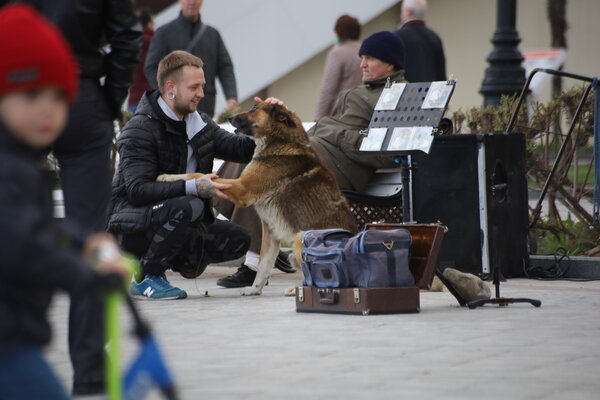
328,296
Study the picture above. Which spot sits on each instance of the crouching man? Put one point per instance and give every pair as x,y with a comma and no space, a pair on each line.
170,225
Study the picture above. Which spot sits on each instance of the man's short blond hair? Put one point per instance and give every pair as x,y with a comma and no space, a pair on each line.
171,65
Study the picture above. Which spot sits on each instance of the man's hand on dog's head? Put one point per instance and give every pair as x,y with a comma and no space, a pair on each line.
207,188
270,100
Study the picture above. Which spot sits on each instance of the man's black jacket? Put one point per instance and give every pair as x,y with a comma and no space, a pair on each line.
152,144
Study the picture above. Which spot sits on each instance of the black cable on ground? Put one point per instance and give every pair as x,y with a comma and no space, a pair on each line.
557,271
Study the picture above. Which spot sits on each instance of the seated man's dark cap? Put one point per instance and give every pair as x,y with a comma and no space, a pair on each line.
386,46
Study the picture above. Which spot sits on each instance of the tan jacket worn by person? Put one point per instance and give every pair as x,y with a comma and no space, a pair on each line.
340,132
342,72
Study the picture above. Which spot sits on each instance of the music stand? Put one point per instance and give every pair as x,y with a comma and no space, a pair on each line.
419,106
416,107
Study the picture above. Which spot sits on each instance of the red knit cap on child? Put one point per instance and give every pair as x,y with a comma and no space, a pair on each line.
34,53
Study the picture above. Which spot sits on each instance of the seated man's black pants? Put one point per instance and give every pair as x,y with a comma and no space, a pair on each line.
178,238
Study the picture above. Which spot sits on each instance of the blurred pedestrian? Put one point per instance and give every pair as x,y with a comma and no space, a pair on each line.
424,58
140,83
83,149
342,66
188,32
38,82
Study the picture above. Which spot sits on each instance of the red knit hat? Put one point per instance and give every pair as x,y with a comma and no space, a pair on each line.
33,53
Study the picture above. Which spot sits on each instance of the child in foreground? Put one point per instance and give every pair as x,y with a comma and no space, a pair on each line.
38,82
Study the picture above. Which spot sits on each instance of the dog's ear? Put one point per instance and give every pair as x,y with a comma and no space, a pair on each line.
282,115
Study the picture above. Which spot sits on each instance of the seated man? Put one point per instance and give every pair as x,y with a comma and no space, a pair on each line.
171,224
335,138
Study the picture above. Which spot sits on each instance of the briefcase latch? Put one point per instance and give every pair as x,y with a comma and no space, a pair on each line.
328,296
356,296
300,294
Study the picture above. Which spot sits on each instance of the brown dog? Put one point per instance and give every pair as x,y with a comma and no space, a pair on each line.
287,184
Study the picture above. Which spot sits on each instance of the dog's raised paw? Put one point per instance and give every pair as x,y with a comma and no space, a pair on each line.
162,178
250,291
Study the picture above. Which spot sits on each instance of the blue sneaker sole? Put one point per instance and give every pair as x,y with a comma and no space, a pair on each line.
142,297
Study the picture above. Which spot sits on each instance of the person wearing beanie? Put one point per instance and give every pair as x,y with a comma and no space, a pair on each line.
335,137
38,82
384,46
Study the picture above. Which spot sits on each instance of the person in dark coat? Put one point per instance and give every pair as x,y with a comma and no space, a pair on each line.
83,150
424,53
140,83
188,32
38,254
170,225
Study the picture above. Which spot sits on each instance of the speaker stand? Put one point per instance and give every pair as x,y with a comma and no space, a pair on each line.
501,301
406,165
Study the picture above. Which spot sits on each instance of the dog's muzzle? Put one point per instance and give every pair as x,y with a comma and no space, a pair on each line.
242,125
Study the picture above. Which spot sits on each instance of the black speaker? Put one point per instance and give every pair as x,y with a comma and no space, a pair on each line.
475,185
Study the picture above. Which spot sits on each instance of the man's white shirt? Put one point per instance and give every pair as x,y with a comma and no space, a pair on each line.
193,124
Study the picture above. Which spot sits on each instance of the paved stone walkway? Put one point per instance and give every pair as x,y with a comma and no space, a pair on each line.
231,347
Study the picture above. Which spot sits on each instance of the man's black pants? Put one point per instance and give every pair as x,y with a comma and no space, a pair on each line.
179,238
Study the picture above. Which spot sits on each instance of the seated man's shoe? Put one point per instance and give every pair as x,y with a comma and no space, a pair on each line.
244,276
282,263
155,288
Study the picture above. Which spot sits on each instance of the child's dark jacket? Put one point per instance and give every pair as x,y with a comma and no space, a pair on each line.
36,256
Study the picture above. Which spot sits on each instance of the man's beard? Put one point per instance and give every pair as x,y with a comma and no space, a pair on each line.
183,109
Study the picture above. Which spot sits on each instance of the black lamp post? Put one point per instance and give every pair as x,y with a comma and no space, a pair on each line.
505,75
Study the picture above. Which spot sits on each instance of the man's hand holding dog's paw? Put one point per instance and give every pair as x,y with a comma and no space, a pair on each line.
206,187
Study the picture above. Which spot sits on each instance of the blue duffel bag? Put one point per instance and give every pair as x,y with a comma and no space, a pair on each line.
323,258
370,259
